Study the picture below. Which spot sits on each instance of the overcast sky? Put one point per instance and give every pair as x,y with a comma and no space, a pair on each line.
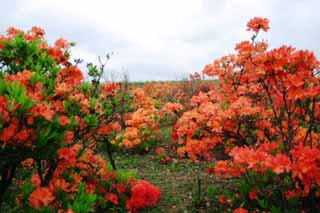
163,39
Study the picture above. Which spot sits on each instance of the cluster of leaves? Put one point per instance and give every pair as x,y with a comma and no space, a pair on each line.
265,113
50,124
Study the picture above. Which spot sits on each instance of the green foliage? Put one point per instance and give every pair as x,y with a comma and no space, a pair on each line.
83,201
26,56
27,188
91,120
13,91
93,70
125,175
211,191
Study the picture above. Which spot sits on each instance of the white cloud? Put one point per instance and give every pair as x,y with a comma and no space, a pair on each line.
161,39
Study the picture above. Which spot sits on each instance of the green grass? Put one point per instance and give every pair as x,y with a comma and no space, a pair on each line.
177,179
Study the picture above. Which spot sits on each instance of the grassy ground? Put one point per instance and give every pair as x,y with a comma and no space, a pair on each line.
178,180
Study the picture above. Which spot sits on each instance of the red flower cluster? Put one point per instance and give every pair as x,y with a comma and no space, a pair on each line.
143,194
42,196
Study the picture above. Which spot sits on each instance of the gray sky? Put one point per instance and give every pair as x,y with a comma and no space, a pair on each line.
163,39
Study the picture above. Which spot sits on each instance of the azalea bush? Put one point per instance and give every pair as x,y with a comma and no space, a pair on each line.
141,125
169,113
50,124
265,112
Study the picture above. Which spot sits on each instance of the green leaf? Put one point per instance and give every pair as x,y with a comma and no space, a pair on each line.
275,209
83,202
263,203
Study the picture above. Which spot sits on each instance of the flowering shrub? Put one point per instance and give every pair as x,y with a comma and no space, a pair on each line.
50,123
141,126
78,184
265,111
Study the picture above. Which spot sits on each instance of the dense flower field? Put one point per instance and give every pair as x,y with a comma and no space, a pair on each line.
257,126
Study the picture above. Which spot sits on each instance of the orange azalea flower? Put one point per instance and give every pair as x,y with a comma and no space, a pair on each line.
57,55
35,180
119,188
11,31
104,130
113,198
42,196
68,211
63,120
43,111
170,108
131,133
90,187
221,199
28,37
268,147
67,156
59,184
18,201
8,132
43,45
261,47
281,163
116,127
30,120
62,43
159,150
221,167
245,47
109,89
240,210
253,195
72,76
62,88
21,77
27,163
3,104
257,23
37,31
23,135
290,194
58,106
68,137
